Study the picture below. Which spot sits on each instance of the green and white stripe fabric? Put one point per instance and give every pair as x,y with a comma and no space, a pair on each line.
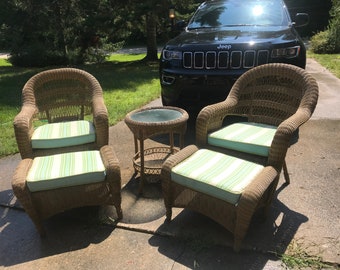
64,170
63,134
216,174
253,138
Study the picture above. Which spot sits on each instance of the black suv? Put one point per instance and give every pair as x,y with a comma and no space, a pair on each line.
223,40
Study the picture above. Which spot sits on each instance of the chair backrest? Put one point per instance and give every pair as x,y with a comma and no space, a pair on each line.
61,94
271,93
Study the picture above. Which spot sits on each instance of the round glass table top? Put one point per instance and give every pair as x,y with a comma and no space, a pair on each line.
156,115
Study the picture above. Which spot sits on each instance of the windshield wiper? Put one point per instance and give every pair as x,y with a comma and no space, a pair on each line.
201,27
235,25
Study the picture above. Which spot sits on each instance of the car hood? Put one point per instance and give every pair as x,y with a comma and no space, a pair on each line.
226,37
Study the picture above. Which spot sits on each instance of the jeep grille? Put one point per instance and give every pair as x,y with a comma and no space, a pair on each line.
225,59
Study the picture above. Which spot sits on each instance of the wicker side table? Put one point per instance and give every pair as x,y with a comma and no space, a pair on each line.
147,122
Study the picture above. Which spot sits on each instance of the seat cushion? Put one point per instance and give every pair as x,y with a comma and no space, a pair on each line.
216,174
253,138
64,170
63,134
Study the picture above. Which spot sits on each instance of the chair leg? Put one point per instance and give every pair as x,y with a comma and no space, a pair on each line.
168,202
285,172
237,244
168,214
40,228
32,213
119,212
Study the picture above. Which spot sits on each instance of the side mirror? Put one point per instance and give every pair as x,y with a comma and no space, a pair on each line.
301,19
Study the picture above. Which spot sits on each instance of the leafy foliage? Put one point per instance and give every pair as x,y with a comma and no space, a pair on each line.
334,25
60,32
317,10
152,22
328,41
57,32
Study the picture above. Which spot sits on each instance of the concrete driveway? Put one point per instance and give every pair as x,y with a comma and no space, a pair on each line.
328,106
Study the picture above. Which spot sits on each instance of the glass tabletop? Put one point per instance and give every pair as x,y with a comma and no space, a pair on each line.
156,115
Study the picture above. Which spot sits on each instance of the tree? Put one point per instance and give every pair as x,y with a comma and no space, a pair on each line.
154,15
149,12
334,25
40,33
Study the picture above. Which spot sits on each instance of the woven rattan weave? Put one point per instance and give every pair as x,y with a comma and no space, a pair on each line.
154,158
43,204
275,94
147,122
60,95
235,218
281,95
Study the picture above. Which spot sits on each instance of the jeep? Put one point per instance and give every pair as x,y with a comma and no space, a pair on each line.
223,40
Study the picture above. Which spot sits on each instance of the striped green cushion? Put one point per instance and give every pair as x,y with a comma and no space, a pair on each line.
216,174
63,134
253,138
64,170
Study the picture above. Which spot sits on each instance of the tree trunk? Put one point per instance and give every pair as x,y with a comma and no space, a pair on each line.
60,30
151,36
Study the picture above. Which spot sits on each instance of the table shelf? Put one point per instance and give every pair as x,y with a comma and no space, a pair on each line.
153,160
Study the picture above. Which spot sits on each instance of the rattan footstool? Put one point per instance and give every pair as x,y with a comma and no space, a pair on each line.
227,189
48,185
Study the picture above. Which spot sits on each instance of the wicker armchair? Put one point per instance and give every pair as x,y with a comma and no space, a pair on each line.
58,96
280,95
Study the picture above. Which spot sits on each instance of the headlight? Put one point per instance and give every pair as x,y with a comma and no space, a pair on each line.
289,52
171,55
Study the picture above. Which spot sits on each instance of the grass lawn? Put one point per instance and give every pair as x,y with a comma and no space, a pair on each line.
330,61
127,84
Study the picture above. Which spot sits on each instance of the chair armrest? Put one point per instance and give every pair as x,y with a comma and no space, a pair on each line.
23,129
283,136
101,122
211,118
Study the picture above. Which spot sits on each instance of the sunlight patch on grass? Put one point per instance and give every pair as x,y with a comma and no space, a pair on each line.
4,62
125,57
120,102
329,61
7,142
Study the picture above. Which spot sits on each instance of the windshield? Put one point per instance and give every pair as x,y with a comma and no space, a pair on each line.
239,13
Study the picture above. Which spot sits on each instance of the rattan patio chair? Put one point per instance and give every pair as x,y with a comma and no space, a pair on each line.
272,100
88,178
68,106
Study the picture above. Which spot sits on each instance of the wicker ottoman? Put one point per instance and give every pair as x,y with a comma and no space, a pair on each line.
227,189
48,185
